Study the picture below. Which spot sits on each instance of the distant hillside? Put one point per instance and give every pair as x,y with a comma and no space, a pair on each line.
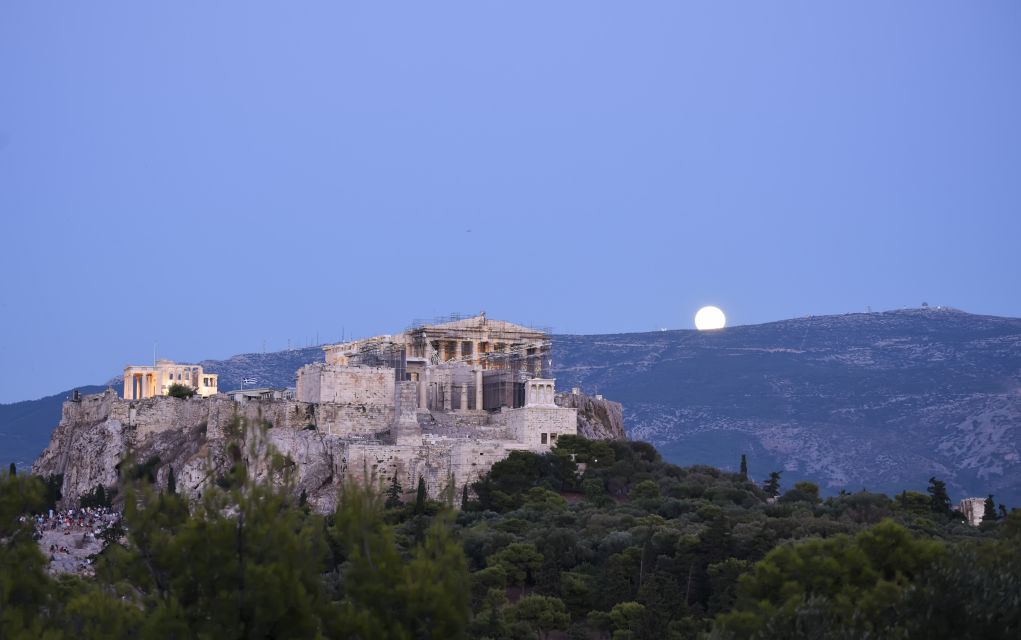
881,401
25,427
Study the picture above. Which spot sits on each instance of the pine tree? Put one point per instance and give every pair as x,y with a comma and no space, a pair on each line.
772,486
393,494
989,510
744,466
171,482
939,497
420,498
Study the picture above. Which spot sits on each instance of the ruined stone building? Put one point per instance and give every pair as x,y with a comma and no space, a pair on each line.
148,382
441,401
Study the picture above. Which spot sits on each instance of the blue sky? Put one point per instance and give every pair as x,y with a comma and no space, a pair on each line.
215,175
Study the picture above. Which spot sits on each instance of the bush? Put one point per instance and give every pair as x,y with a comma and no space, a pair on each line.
178,390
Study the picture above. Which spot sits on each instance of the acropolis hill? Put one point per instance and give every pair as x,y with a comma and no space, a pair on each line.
443,402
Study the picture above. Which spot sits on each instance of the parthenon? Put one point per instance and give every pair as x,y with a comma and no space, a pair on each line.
465,364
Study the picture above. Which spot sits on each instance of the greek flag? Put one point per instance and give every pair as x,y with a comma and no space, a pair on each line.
248,380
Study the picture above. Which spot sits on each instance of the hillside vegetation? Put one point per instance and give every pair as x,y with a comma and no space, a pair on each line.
593,540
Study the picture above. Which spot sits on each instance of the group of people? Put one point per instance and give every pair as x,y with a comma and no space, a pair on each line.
82,528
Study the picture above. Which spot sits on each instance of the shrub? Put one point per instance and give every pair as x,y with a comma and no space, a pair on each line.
178,390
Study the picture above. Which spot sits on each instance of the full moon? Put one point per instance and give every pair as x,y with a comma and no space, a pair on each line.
710,318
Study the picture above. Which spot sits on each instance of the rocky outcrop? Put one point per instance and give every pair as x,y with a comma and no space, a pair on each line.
323,445
97,433
598,418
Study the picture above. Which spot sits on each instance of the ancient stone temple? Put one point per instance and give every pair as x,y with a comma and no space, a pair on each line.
442,402
472,371
147,382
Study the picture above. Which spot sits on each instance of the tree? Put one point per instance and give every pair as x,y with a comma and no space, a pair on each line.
13,470
772,486
851,583
420,497
520,562
171,482
626,619
26,591
178,390
394,493
989,510
744,466
803,491
542,614
464,497
387,595
938,494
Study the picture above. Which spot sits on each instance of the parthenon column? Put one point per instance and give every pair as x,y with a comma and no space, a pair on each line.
478,389
462,401
448,389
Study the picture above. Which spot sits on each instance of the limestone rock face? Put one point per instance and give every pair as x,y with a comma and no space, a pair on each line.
323,445
191,436
598,418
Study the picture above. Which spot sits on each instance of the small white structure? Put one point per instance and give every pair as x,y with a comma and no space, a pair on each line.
973,510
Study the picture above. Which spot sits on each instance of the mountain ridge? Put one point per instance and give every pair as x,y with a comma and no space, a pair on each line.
879,400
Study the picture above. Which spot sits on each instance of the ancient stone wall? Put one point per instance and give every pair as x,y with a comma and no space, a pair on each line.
321,382
537,427
445,465
352,420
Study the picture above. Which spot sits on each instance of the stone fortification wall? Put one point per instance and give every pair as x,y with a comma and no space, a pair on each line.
528,424
444,464
352,420
321,382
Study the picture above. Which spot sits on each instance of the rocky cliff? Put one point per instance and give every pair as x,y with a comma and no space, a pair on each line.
201,438
598,418
192,436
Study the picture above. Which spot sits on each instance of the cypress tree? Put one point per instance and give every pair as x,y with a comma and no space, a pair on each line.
393,494
744,466
171,482
420,498
772,486
14,470
464,497
939,497
989,510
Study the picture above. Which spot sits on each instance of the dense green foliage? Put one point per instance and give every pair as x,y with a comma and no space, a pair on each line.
592,540
178,390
